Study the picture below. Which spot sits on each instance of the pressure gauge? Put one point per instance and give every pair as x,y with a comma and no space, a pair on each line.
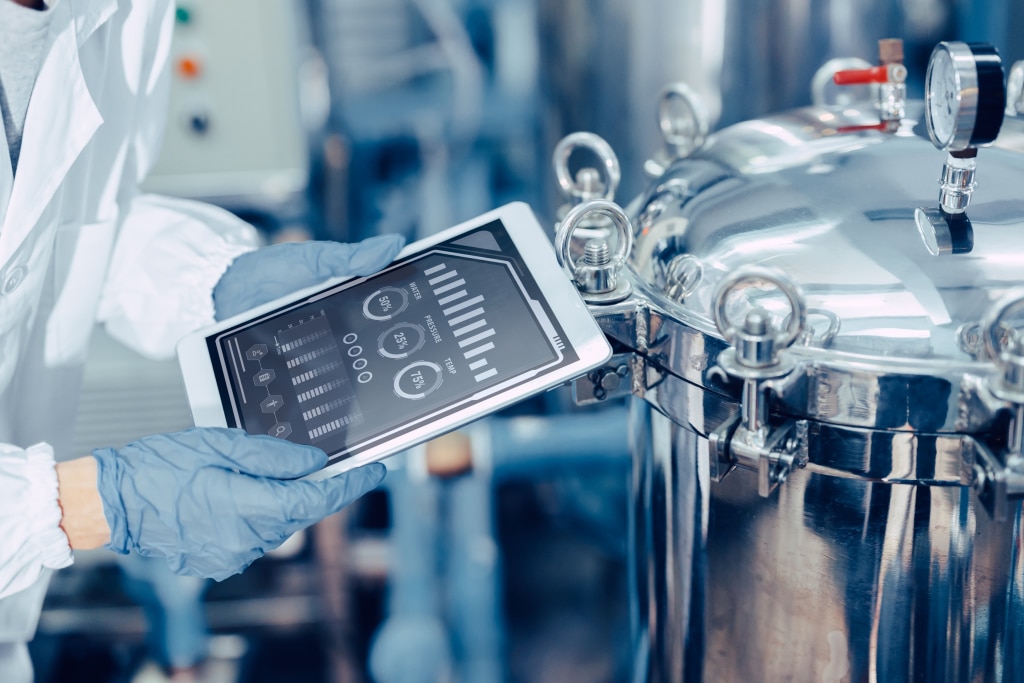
964,95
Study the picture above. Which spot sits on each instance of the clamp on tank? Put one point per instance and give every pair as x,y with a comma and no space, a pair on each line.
758,358
598,277
999,470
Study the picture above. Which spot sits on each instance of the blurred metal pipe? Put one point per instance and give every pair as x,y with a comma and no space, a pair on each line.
604,61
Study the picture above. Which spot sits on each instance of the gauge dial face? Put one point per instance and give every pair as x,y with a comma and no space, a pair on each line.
943,98
965,95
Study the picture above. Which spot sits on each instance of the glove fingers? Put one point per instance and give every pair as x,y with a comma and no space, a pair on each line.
266,274
307,502
232,449
266,456
332,259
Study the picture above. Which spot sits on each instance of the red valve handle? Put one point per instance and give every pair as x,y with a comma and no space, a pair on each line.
884,126
876,74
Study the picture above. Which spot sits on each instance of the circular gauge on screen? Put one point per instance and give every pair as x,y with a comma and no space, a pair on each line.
964,95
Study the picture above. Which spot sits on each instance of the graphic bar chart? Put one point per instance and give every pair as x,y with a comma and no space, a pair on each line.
465,315
318,372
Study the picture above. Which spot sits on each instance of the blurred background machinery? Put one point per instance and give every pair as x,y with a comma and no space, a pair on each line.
497,554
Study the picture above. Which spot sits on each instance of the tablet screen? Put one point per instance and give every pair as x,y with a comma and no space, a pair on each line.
365,361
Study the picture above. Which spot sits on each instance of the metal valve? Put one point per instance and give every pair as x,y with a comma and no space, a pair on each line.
956,184
889,77
758,358
999,472
597,273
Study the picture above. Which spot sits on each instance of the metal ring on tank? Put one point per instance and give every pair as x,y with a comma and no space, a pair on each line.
613,288
795,321
596,144
684,132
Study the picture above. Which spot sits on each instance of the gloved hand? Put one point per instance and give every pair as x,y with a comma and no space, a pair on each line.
211,501
263,275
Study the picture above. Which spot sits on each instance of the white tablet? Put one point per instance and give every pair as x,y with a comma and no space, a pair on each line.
462,324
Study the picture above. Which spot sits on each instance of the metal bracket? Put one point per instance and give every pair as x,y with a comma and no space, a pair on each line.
772,452
611,380
998,483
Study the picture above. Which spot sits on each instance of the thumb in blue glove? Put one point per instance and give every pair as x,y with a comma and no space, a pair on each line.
211,501
263,275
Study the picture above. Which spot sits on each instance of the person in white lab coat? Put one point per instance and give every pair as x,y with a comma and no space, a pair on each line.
82,92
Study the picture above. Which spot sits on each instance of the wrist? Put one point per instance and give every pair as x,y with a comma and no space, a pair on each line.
83,520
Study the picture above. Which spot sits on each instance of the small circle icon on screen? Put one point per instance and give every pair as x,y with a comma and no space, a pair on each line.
281,430
385,303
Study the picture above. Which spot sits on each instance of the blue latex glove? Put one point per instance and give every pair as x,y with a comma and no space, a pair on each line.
263,275
211,501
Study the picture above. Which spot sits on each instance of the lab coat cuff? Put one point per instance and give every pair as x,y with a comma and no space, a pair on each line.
208,275
53,548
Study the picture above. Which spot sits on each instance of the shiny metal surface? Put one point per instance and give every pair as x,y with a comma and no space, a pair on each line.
598,274
575,188
684,123
921,456
830,579
835,211
838,389
890,551
891,342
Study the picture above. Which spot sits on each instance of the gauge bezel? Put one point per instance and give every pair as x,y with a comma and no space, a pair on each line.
981,95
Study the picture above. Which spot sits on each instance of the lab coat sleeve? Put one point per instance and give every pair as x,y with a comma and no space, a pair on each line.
30,524
169,253
168,258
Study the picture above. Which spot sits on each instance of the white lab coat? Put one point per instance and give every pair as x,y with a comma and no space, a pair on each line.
79,244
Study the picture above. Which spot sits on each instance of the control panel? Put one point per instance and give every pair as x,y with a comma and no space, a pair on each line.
233,128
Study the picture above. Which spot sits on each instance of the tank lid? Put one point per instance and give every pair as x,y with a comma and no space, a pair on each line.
851,214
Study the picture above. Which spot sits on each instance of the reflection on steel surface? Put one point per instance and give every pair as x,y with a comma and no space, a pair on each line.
894,554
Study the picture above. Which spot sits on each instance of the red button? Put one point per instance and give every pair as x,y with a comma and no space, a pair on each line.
189,67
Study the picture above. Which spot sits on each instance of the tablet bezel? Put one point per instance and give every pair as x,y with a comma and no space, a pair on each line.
580,332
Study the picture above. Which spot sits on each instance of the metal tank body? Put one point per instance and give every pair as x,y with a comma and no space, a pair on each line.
833,580
878,537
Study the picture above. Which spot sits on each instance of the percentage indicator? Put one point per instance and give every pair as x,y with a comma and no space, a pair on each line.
401,341
385,303
417,380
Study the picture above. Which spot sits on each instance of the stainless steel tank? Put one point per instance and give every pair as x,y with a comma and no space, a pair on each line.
827,374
